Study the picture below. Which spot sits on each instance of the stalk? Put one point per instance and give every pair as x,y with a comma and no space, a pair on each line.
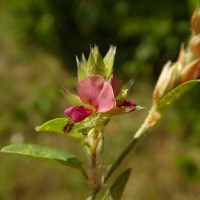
148,123
94,178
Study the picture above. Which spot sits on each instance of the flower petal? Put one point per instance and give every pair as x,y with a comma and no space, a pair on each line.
124,107
89,89
116,85
96,92
78,113
106,100
127,104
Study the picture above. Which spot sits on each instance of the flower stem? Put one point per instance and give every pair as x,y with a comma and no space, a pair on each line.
94,177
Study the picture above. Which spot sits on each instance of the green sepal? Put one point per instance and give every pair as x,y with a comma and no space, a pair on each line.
45,153
82,70
116,190
175,94
95,64
65,126
124,91
109,62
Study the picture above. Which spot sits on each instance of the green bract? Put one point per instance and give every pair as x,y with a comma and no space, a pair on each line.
72,98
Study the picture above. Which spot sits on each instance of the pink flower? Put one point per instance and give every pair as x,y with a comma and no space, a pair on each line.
99,95
78,113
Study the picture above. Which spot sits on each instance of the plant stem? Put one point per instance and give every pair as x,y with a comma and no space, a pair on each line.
94,178
150,121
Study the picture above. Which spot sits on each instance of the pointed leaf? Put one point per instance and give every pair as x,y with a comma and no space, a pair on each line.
173,95
117,188
45,153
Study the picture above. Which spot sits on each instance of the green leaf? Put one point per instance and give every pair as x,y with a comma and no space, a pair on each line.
67,127
117,188
176,93
44,153
57,125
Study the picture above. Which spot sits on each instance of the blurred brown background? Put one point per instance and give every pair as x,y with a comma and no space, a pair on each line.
38,44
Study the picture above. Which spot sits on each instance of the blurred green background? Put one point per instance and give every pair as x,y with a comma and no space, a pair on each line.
38,44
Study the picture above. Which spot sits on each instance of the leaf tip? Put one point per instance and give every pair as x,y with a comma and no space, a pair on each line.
6,149
37,128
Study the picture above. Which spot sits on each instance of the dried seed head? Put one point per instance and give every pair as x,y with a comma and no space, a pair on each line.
166,80
195,21
190,72
195,44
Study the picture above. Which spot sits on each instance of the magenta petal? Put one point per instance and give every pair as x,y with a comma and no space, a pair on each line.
116,85
123,107
69,111
89,89
106,100
127,104
96,92
78,113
